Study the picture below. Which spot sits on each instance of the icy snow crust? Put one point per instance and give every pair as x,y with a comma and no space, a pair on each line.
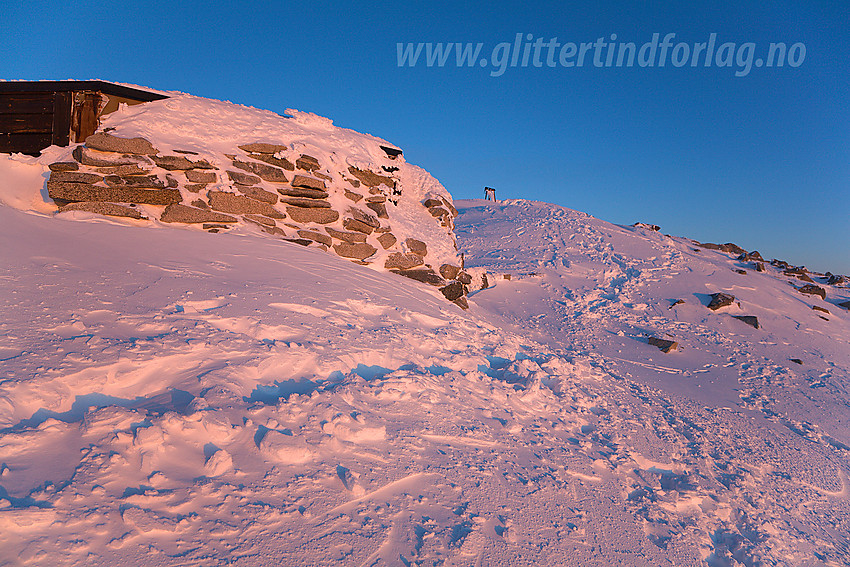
176,397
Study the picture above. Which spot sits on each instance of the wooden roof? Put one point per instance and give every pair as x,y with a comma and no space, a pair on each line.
62,86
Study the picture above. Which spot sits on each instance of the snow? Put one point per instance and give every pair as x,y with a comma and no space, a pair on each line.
171,397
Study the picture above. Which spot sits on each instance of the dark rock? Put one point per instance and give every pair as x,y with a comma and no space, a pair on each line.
379,208
307,163
675,303
171,181
431,203
241,205
416,246
728,247
643,225
399,261
449,271
305,202
663,344
805,278
201,204
64,166
195,187
257,194
180,163
84,192
316,236
262,148
437,212
750,320
108,143
759,266
87,156
213,227
359,226
753,256
387,240
264,220
364,217
242,178
821,309
308,182
303,192
377,199
795,270
75,177
371,179
201,176
844,304
190,215
740,271
811,289
352,195
319,216
461,302
360,251
796,360
425,276
836,279
391,152
135,181
352,237
124,170
283,163
719,300
268,229
108,209
264,171
452,291
464,278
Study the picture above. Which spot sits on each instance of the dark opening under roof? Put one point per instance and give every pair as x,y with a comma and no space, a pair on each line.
61,86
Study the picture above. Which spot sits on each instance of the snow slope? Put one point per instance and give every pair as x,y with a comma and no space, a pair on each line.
172,397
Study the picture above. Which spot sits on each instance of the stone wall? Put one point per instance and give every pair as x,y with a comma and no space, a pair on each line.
263,184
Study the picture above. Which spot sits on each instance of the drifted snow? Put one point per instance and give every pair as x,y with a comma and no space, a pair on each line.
176,397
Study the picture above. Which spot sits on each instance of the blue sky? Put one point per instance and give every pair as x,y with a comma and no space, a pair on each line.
762,160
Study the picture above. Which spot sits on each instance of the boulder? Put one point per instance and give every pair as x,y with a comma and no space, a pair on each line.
303,192
315,236
360,251
750,320
645,226
346,236
844,304
257,194
449,271
728,247
180,163
263,220
87,156
812,289
464,278
431,203
282,163
453,291
190,215
416,246
438,212
264,171
195,187
719,300
138,181
135,169
359,226
387,240
241,205
363,217
379,208
307,163
108,209
399,261
305,202
759,266
201,176
75,177
242,178
201,204
351,195
85,192
461,302
371,179
262,148
821,309
753,256
835,279
422,275
64,166
663,344
109,143
265,227
308,182
319,216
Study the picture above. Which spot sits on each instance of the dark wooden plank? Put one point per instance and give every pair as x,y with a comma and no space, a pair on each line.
24,123
24,143
26,103
76,86
62,118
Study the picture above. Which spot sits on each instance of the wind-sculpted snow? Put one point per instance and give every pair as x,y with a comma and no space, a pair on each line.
175,397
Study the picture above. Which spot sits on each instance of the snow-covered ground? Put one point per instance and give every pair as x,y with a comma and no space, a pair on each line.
173,397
